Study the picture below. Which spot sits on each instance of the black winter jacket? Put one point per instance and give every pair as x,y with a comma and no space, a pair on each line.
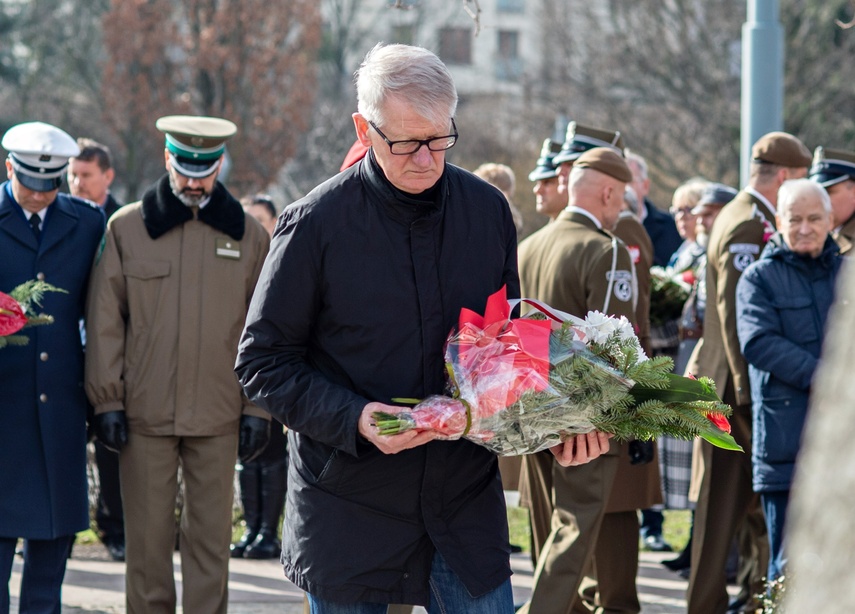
354,304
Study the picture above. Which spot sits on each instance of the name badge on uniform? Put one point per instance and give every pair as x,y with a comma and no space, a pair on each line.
622,284
228,248
743,254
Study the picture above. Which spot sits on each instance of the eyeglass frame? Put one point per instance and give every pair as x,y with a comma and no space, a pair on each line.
421,142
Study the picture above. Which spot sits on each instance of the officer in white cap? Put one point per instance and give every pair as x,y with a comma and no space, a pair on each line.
38,157
169,296
53,238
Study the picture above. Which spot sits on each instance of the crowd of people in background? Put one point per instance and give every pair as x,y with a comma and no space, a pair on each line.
205,332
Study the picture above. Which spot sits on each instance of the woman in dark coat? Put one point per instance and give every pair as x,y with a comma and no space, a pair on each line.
783,301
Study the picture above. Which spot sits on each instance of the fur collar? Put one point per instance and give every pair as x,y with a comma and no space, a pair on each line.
162,211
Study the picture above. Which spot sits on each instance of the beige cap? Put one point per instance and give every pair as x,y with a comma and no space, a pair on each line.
607,161
781,148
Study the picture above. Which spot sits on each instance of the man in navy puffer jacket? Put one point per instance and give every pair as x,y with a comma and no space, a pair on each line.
783,301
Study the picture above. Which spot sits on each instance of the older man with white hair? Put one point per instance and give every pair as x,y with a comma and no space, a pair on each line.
783,301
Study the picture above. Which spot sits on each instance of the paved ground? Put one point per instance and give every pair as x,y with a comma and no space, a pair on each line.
95,585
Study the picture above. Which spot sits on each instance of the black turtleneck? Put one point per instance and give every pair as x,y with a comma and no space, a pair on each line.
409,206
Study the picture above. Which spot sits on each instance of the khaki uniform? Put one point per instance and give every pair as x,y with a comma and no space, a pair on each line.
164,319
629,230
725,496
569,265
845,236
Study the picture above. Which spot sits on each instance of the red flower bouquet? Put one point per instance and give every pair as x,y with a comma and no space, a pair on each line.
518,386
16,311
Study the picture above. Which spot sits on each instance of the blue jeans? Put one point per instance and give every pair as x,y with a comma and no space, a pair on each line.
775,508
447,596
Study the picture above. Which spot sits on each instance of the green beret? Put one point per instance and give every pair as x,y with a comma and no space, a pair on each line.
607,161
782,149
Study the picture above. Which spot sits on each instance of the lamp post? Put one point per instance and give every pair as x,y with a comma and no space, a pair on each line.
762,77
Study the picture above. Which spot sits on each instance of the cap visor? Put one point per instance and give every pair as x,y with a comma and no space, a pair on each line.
194,169
38,184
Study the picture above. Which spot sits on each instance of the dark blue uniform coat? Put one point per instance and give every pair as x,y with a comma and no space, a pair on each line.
43,491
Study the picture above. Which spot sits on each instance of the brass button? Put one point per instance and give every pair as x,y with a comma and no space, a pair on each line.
40,276
43,356
43,397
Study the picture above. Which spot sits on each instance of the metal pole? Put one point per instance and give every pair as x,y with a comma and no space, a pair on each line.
762,77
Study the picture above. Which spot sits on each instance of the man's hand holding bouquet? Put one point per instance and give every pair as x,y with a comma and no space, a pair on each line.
518,386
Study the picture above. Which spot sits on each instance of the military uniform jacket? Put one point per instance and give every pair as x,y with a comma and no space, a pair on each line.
845,235
737,237
568,265
42,404
165,315
629,230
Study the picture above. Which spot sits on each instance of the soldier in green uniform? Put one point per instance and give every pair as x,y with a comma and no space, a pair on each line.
834,169
575,264
726,498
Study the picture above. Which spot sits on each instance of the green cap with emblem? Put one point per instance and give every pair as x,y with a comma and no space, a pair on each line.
580,139
546,167
195,144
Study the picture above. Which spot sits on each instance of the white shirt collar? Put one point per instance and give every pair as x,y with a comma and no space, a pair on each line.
586,213
762,199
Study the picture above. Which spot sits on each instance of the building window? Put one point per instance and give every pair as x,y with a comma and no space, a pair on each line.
508,62
455,45
510,6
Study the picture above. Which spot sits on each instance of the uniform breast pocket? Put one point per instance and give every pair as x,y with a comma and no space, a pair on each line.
145,280
797,318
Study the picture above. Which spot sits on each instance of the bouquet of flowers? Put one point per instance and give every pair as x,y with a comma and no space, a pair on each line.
17,311
518,386
667,296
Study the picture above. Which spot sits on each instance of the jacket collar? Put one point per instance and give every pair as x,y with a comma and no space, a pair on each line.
776,248
62,220
162,211
399,205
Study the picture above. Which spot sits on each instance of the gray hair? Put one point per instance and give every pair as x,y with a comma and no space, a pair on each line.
415,74
689,192
630,198
795,189
639,162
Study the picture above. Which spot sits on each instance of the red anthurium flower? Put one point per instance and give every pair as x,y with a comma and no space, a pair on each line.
12,318
720,421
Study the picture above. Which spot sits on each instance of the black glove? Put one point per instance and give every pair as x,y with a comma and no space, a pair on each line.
254,435
640,452
112,429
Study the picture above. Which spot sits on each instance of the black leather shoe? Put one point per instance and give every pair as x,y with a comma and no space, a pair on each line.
116,550
681,562
655,543
265,546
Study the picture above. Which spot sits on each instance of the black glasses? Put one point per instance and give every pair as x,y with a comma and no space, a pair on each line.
403,148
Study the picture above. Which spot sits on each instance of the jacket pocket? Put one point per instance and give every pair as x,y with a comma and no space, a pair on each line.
797,314
145,269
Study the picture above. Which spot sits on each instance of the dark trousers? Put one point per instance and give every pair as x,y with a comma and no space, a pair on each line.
41,581
108,514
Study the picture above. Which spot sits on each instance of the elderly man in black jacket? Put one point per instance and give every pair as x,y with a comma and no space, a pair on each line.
366,276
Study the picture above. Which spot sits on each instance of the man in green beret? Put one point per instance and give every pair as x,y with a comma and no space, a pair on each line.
167,302
575,264
726,497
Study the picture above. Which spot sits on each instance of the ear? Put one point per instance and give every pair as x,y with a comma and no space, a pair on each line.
110,174
166,158
777,220
8,169
362,127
